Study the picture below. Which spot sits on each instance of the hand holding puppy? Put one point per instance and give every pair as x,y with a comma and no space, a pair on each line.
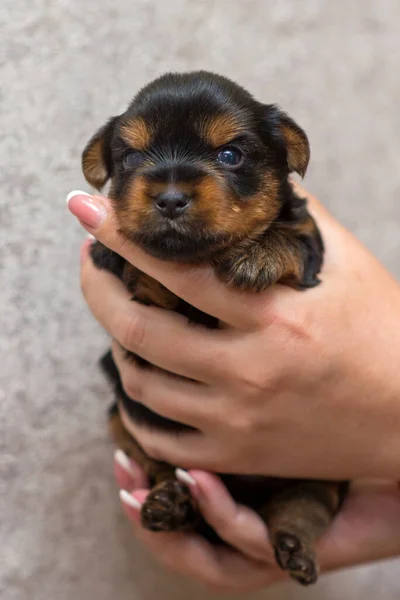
295,385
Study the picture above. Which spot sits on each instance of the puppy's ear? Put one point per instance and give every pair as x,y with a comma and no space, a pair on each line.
290,137
96,158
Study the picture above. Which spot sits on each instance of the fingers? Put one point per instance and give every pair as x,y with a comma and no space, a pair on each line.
219,568
198,285
198,353
165,447
366,529
237,525
129,475
188,554
175,398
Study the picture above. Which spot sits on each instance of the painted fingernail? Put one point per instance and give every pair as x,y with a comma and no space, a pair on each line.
123,461
129,500
76,193
184,477
87,209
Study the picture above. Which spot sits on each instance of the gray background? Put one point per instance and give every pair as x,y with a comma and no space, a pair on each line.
66,66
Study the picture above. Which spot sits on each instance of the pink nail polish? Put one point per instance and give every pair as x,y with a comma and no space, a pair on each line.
87,209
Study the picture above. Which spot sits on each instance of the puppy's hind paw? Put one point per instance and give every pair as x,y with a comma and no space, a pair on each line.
293,556
169,507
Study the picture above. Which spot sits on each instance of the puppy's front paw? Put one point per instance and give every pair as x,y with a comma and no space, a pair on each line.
246,273
169,507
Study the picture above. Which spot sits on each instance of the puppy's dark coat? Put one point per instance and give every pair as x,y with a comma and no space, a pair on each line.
199,173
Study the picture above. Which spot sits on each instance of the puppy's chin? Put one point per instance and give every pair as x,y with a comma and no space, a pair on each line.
183,244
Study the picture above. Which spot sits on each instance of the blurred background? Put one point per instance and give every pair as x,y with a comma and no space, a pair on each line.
66,66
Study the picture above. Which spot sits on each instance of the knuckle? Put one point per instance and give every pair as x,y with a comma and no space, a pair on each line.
131,331
131,385
289,325
255,379
219,523
297,329
243,422
251,381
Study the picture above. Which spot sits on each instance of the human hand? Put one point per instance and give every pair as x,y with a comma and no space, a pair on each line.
294,385
367,529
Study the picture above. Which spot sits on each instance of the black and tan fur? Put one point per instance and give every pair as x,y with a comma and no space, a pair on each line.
246,221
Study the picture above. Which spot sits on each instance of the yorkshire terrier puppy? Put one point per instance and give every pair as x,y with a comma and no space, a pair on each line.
199,173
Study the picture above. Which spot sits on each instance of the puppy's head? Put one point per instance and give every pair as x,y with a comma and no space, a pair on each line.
195,163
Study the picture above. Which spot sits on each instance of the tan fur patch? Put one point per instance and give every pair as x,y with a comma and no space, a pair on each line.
222,211
221,130
307,227
135,207
147,290
137,134
93,165
298,149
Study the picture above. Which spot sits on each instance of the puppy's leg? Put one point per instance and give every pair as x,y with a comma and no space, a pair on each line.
107,259
296,516
289,253
169,505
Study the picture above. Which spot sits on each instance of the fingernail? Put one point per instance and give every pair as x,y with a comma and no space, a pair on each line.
123,461
91,237
87,209
129,500
76,193
184,477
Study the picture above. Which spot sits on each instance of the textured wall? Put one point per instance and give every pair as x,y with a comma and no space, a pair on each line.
66,65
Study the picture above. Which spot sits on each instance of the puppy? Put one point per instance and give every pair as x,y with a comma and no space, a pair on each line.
199,173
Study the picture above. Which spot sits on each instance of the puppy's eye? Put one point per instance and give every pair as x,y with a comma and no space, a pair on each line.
130,159
230,157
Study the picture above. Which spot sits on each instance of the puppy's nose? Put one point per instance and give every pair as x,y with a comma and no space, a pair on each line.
172,203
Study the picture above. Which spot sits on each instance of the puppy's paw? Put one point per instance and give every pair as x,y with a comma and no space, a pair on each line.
294,556
169,507
246,273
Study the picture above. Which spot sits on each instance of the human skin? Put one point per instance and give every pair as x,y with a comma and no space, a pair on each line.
366,529
319,398
296,384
